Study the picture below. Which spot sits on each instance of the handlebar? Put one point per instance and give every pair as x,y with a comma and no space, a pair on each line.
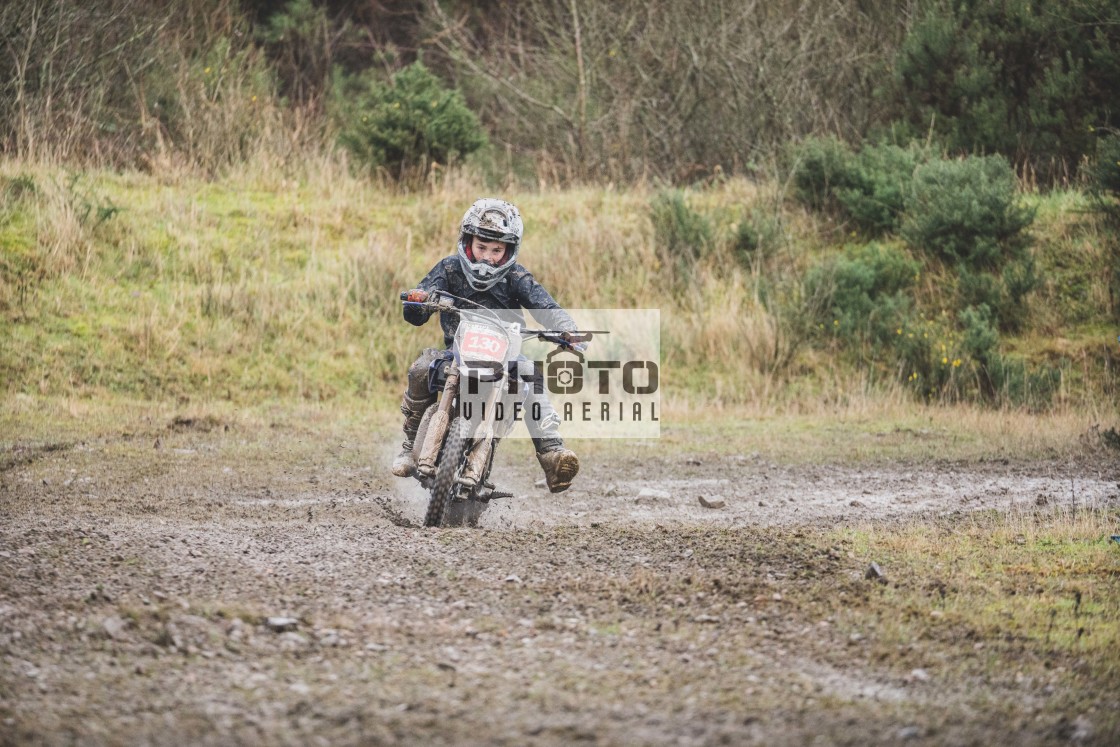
445,303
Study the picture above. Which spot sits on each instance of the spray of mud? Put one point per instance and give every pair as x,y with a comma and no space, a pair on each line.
405,503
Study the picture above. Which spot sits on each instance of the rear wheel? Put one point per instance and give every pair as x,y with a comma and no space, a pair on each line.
448,469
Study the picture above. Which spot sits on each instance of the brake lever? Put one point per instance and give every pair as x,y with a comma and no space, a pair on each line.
579,347
441,302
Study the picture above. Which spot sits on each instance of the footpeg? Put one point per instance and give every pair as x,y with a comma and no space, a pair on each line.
492,494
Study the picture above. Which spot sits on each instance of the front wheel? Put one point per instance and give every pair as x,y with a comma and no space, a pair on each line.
449,467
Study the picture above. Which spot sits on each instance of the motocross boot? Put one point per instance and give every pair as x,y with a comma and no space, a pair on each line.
560,464
413,410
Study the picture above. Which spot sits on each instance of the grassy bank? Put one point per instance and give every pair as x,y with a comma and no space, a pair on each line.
263,288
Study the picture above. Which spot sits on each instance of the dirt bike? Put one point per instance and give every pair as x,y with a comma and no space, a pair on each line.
454,451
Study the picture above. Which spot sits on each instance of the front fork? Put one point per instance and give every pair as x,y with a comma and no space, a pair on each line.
478,459
437,427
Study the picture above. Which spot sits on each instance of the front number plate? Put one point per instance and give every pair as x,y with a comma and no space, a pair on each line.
483,343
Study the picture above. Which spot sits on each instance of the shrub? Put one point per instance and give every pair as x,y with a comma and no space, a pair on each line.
682,235
401,125
879,181
977,289
1004,295
746,241
931,358
1110,437
867,295
1105,176
867,312
820,166
966,211
1001,380
868,187
1018,279
755,236
981,339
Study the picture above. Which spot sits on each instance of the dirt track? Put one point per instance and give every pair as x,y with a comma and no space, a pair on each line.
193,586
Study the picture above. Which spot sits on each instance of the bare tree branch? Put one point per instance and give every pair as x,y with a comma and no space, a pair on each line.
455,51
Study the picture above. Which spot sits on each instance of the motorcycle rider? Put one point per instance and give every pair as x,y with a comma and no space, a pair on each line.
485,270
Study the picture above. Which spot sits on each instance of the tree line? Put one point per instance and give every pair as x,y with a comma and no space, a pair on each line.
558,90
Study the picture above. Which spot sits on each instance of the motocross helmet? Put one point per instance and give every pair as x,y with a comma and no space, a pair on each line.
491,220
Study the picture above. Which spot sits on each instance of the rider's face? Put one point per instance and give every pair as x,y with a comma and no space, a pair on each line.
490,252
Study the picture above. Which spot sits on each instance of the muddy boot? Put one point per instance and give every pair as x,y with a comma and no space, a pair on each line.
413,410
560,467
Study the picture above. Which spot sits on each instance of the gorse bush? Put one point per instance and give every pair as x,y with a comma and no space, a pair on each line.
1004,294
820,166
967,211
746,242
980,337
868,187
1110,437
754,238
929,359
876,190
962,214
681,234
967,214
867,291
1000,379
961,210
402,125
868,315
1017,280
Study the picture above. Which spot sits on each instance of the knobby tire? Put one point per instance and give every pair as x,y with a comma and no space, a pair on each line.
449,467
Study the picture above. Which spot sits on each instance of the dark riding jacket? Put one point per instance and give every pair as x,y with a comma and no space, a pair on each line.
517,290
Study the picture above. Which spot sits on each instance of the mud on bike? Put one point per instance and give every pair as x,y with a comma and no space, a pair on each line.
456,441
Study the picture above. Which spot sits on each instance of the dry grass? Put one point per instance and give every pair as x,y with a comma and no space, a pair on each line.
1023,594
857,432
875,429
270,284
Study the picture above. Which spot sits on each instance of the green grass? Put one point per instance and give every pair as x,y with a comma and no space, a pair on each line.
1028,589
260,287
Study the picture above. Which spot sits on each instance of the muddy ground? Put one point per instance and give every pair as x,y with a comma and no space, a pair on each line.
193,584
